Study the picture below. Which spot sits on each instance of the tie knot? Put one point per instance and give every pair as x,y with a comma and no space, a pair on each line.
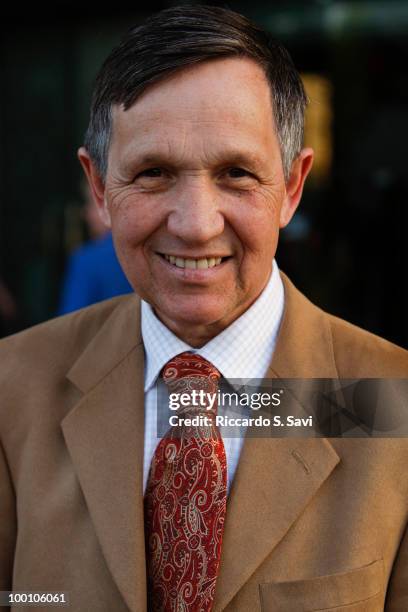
188,372
189,365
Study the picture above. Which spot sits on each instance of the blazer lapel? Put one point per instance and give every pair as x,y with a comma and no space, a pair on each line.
104,436
276,478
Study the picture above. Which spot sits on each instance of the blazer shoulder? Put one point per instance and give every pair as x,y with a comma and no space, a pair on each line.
315,344
58,341
361,354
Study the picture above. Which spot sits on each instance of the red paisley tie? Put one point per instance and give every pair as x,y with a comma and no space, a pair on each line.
185,499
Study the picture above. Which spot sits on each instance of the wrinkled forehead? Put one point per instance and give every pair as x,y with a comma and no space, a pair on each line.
231,71
232,92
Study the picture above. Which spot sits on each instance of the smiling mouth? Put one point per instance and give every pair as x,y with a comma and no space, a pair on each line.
194,264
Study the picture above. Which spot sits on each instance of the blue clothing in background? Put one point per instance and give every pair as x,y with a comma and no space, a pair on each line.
93,274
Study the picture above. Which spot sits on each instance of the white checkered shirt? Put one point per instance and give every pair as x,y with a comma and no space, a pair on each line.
243,350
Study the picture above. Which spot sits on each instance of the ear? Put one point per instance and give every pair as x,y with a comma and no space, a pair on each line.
96,185
294,187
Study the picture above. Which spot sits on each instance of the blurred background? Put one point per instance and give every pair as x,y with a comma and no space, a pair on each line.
347,246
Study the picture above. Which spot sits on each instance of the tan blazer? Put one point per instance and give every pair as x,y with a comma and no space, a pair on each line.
312,524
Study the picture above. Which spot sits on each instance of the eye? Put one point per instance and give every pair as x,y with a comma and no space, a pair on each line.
239,179
151,173
237,172
152,179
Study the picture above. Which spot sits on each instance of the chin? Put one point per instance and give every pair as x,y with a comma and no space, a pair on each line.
199,314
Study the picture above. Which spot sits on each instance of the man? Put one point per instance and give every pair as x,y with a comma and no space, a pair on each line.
194,156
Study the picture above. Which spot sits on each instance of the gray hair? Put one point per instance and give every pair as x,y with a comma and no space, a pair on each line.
178,37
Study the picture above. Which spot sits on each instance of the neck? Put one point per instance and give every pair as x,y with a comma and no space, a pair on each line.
195,336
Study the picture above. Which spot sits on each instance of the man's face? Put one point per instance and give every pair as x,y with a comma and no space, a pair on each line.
195,194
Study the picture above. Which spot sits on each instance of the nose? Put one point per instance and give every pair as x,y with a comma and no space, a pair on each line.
195,215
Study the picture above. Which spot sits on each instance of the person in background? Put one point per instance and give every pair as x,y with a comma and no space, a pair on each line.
93,272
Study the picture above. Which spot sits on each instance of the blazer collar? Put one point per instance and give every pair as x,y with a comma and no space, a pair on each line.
104,434
305,345
117,337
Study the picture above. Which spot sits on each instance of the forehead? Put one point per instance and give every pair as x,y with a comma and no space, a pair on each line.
219,100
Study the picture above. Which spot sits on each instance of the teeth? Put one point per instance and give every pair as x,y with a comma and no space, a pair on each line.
202,263
192,264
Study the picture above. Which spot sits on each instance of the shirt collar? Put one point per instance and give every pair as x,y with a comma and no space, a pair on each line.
241,351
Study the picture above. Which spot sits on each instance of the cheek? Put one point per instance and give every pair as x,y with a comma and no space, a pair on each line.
133,225
257,227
